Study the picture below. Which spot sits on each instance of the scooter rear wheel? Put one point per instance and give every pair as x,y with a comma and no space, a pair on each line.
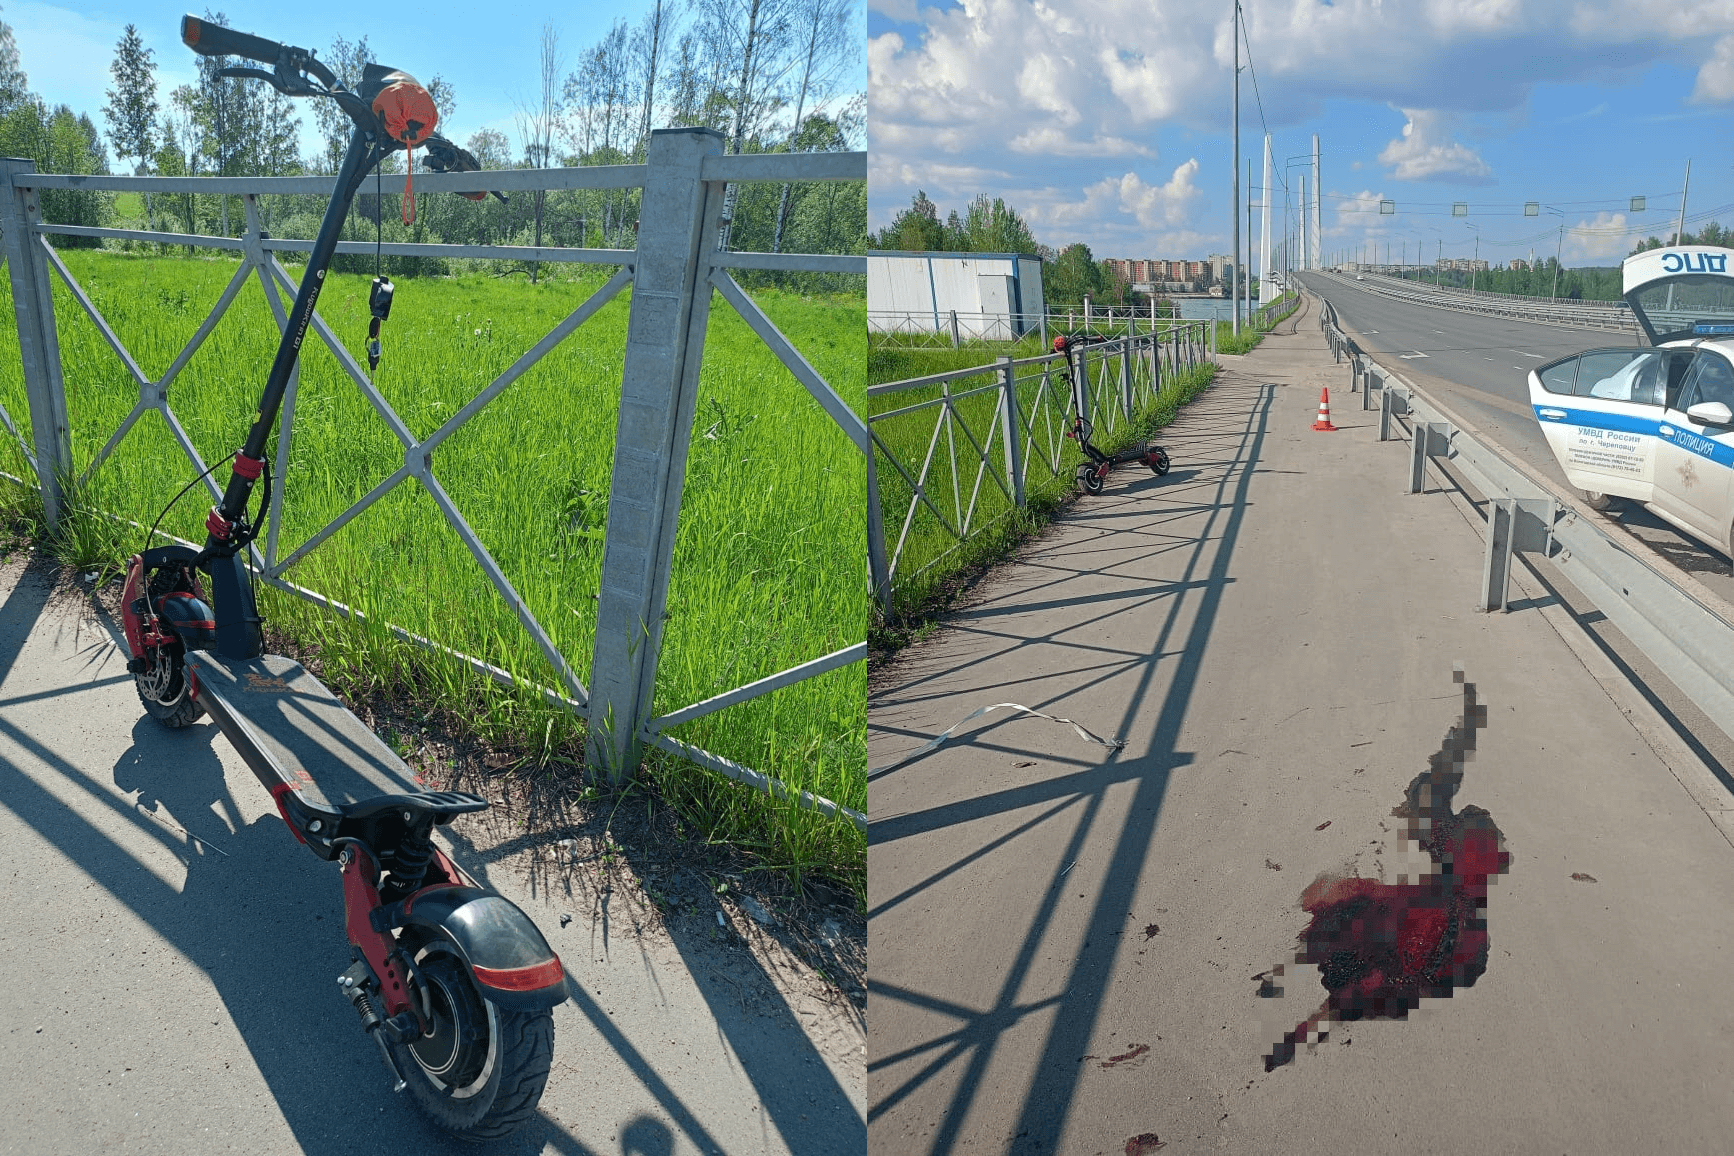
1157,461
481,1071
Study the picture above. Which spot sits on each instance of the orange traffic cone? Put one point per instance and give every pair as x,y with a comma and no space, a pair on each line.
1324,422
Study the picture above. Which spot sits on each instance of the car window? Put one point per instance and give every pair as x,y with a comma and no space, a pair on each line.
1561,376
1712,380
1635,375
1679,365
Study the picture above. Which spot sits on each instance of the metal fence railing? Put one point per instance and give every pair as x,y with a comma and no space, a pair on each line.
672,271
1689,641
957,452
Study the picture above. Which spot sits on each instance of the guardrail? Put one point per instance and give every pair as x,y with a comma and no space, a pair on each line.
673,271
1545,311
1691,643
1000,434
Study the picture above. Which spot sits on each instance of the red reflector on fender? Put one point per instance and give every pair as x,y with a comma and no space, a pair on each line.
523,978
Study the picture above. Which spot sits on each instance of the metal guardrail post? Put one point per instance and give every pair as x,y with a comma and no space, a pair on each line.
1367,381
955,342
1354,374
659,384
1011,430
38,342
1513,525
1392,403
1431,439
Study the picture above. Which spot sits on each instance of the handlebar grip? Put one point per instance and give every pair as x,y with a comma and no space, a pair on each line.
208,39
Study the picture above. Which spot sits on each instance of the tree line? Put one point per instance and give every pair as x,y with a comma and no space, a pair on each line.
1547,278
989,225
771,75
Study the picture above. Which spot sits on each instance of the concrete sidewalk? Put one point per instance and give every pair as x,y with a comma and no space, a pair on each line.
169,955
1064,942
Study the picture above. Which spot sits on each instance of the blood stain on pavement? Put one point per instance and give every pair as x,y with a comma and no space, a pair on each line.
1137,1053
1380,947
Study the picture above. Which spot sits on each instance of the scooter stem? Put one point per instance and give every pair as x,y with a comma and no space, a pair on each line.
237,617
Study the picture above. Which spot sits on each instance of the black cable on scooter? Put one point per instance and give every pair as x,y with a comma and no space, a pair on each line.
151,533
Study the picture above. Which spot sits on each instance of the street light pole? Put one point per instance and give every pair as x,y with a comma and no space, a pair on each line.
1234,208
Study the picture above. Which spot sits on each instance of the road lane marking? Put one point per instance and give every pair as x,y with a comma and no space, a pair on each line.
1412,355
1521,353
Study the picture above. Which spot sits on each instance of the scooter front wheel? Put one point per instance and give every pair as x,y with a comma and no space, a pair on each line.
480,1071
166,691
1089,481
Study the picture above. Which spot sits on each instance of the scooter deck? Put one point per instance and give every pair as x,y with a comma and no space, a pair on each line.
297,737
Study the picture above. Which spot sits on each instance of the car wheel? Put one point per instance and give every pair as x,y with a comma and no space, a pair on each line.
1596,501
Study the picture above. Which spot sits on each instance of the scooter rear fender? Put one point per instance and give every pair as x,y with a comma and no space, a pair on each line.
502,948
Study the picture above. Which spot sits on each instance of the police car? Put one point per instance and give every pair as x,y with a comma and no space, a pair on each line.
1655,424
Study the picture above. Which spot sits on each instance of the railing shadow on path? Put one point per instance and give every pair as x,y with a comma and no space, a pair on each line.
263,920
1178,644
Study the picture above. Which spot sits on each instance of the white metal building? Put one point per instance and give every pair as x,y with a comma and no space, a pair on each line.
995,296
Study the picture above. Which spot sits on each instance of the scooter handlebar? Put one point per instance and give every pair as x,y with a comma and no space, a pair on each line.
209,39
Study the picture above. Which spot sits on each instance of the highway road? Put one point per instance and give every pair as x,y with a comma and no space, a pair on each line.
1478,366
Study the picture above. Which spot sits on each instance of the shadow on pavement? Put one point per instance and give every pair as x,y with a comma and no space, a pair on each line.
264,920
1178,644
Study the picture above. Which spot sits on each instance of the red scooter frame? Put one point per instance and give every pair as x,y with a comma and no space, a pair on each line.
452,981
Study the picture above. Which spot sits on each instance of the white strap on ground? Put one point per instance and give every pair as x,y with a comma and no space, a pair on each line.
938,740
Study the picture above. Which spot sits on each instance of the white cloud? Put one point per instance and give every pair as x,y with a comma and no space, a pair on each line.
1126,207
1427,152
902,11
1052,141
1602,238
1106,65
1716,77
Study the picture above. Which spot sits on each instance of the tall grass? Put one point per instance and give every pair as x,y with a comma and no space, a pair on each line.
933,558
767,563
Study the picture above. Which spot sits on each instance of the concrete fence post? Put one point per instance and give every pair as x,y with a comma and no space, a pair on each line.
955,342
679,226
38,341
1011,429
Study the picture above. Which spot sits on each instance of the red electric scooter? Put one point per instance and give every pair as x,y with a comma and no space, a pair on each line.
1092,475
453,982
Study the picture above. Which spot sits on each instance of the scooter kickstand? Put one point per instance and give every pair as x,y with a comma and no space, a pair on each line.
354,983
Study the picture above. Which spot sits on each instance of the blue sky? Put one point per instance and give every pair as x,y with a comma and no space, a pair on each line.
1107,121
488,51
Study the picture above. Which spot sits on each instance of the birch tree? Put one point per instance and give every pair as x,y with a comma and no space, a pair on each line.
132,107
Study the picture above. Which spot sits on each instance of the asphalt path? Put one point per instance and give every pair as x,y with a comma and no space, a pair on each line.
1067,943
170,953
1478,366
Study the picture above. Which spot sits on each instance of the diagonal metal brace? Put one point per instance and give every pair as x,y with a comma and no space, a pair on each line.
1514,525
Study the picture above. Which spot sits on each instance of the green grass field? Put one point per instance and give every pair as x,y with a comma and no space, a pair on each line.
932,556
767,569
